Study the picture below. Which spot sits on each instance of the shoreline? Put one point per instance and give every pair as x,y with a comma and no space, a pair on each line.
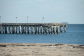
40,49
38,44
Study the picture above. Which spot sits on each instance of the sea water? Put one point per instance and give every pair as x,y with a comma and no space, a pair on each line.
73,35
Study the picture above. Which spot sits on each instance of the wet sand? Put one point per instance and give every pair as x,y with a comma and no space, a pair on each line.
27,49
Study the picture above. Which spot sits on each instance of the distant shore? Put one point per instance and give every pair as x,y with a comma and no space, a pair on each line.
40,49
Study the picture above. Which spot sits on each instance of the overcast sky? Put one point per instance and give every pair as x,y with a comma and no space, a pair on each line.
70,11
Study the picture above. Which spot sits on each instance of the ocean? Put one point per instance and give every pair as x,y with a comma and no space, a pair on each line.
73,35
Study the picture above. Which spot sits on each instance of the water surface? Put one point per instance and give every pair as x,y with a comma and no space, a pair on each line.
74,35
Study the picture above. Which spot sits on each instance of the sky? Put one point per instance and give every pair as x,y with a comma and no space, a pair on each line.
53,11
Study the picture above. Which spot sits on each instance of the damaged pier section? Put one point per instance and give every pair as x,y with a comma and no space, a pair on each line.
32,28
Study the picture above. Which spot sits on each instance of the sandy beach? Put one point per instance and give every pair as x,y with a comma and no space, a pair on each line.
27,49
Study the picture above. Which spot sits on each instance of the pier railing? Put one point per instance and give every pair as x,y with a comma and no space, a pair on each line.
32,28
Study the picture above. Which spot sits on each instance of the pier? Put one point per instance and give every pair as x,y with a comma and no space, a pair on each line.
32,28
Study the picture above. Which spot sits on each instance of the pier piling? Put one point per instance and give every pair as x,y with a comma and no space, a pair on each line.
32,28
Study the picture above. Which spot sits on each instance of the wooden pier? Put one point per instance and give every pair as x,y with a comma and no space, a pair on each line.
32,28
